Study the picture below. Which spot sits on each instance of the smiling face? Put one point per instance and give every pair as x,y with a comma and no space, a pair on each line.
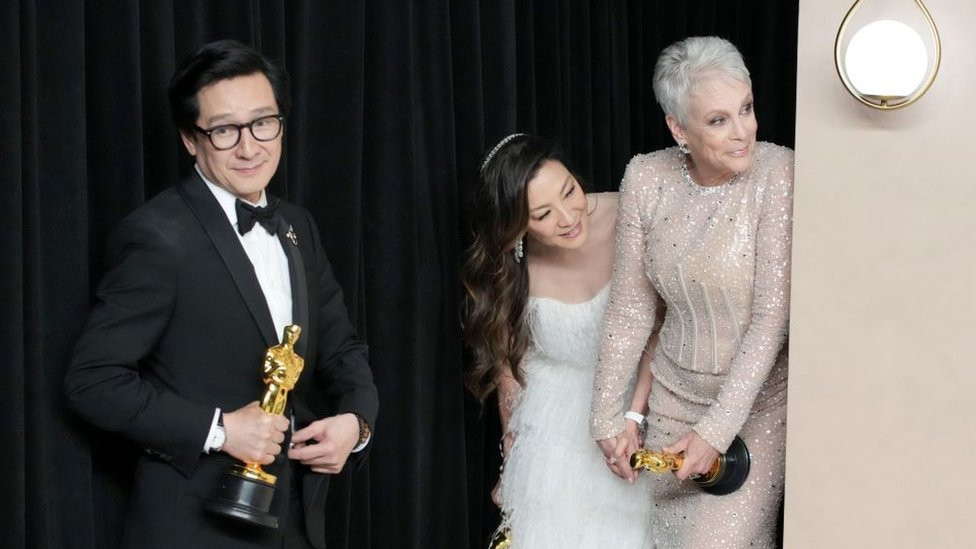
245,169
721,129
557,207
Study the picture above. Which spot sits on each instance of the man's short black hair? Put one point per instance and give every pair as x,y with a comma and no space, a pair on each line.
216,61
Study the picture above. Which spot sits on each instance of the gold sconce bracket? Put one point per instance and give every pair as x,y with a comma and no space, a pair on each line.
883,102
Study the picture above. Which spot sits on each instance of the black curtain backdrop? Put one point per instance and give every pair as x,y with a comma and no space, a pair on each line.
394,102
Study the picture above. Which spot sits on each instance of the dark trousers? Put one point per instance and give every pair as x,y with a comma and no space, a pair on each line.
294,527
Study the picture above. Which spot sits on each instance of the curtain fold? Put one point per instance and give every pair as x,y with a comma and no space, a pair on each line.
394,103
13,305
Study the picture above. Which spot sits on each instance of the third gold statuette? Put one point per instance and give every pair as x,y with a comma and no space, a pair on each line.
727,474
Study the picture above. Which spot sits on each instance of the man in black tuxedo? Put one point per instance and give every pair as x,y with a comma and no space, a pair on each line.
202,280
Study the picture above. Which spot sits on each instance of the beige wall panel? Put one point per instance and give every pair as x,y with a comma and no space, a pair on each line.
882,412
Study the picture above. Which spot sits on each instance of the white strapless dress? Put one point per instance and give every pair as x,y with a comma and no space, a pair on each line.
557,492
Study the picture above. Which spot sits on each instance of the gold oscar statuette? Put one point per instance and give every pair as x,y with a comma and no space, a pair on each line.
727,474
245,490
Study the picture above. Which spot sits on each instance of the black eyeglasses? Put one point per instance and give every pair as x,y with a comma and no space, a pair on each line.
227,136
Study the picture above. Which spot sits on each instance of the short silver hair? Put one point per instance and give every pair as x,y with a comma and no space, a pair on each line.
682,65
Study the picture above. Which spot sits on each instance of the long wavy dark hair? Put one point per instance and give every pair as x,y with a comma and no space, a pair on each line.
496,285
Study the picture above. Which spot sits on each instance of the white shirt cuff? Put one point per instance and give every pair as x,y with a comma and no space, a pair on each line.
209,444
364,444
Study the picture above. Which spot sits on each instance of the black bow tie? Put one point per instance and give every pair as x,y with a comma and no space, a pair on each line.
248,215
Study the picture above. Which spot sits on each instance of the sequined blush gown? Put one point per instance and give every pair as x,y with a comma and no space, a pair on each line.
556,490
720,259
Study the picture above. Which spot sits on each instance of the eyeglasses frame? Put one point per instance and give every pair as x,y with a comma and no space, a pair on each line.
240,130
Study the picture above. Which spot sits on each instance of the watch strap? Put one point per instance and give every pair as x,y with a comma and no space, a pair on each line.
364,431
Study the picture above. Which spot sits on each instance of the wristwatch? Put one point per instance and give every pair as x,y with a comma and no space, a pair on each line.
219,435
364,431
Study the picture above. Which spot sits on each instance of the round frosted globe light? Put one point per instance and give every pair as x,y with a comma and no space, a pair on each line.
886,59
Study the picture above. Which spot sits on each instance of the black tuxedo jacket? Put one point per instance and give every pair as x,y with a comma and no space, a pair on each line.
180,327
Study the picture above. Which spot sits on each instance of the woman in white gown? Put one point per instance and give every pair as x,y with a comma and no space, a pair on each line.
537,282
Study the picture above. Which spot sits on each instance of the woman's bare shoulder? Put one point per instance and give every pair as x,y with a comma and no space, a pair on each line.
605,195
604,201
604,210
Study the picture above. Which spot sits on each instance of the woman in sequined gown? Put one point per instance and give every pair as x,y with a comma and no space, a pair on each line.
537,279
705,228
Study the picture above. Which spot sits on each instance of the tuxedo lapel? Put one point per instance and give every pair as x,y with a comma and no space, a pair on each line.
214,221
299,284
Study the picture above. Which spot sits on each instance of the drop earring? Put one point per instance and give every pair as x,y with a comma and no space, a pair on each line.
519,251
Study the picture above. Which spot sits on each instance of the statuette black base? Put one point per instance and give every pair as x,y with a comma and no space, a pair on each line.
244,499
733,470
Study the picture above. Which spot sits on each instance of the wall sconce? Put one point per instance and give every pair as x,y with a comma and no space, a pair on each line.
885,61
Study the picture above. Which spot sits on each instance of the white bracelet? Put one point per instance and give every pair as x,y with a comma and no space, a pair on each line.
635,417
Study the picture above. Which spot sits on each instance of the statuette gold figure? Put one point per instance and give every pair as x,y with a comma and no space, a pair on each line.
728,472
245,490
